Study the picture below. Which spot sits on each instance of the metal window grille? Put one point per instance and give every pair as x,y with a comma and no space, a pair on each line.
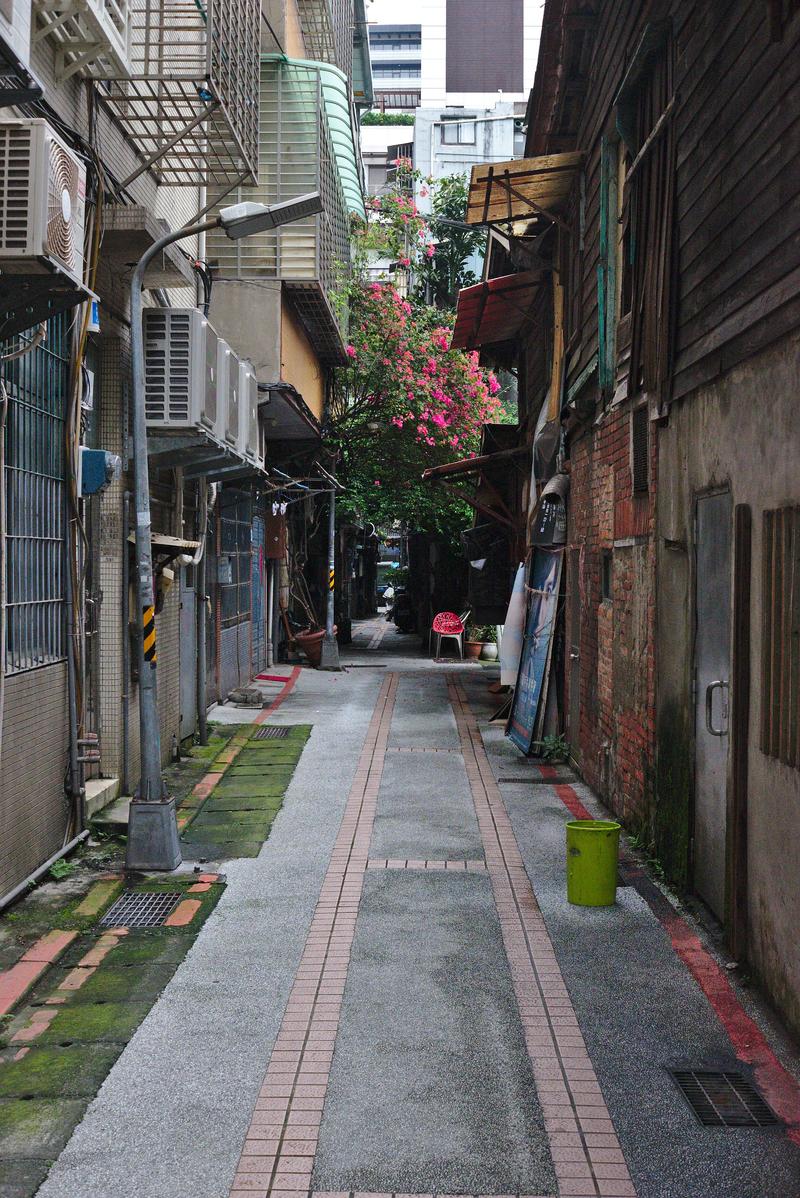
35,497
190,101
328,31
640,444
296,155
235,574
780,662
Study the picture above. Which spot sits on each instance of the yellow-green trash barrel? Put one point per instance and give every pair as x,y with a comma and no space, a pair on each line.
592,851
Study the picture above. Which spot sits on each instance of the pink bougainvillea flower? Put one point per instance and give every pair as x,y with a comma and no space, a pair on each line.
494,386
377,482
351,351
430,251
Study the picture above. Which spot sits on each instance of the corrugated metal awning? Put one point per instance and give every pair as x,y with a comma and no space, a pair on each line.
521,190
493,311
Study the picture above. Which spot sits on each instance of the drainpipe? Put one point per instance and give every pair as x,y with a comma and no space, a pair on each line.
126,642
8,899
201,612
271,585
75,788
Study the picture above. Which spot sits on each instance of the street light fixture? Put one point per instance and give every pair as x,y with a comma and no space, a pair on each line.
152,827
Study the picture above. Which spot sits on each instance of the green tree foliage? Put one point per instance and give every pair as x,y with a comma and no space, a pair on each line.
440,276
404,402
387,118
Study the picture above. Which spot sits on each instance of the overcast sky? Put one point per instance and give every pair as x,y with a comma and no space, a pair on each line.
401,12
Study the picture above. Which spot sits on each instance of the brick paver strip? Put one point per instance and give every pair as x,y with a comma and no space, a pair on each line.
575,1113
458,866
18,980
278,1153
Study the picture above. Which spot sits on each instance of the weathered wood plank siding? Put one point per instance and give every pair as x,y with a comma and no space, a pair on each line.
738,182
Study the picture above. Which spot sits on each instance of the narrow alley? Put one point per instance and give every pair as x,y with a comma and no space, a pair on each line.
394,996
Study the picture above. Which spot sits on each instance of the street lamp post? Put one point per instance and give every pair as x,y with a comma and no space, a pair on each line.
152,827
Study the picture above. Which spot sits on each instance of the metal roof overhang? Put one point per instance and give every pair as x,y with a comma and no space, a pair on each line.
200,454
493,311
523,191
285,414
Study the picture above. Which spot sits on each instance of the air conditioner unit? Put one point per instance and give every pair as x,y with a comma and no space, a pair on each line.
15,28
228,391
89,37
249,433
180,369
42,201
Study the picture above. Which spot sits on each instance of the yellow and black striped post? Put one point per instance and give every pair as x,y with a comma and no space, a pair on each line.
149,635
329,654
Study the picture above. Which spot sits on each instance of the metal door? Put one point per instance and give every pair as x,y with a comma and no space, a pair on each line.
574,712
712,674
259,647
188,653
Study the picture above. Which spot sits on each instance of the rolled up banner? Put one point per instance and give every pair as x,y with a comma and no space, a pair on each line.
513,630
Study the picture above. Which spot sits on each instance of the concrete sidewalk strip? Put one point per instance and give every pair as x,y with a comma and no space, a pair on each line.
575,1112
289,1106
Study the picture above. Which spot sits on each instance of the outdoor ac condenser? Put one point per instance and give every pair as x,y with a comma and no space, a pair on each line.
181,353
42,201
249,436
228,390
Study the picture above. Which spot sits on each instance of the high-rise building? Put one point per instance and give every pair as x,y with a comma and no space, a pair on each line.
436,60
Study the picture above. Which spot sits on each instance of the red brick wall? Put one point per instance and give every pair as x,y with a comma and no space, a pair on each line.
615,737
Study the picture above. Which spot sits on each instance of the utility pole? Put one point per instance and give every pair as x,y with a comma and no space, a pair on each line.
152,827
329,656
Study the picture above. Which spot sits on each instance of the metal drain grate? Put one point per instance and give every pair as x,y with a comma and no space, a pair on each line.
273,732
724,1099
139,909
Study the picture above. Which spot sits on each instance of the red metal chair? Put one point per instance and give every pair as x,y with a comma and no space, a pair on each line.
447,625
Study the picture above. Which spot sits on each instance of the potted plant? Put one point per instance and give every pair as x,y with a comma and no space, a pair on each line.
479,637
489,647
473,642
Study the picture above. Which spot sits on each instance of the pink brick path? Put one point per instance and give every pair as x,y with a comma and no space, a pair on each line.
279,1150
586,1154
278,1153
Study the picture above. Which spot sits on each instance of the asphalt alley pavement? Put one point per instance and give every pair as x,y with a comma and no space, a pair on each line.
395,997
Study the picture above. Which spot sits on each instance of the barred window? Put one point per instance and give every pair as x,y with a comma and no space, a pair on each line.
780,661
235,558
36,385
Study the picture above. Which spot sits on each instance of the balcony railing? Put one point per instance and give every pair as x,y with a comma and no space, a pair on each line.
189,103
306,144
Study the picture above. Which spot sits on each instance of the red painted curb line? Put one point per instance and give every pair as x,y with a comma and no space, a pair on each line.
749,1043
284,693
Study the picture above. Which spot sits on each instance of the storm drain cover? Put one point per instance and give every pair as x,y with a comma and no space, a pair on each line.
138,909
270,733
723,1099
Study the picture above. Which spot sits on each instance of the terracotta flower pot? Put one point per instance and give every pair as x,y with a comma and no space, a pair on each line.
472,649
310,641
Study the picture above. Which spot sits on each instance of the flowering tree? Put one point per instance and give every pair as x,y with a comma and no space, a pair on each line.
405,402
